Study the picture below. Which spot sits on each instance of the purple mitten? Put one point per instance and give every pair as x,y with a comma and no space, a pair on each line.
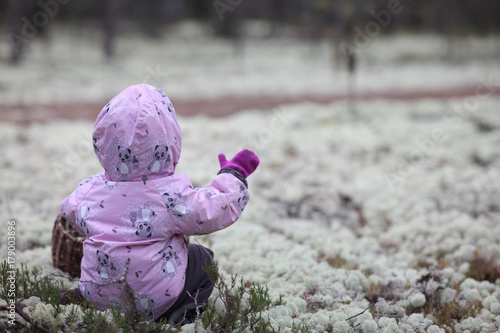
245,162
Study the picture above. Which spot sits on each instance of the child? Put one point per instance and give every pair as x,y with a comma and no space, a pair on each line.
135,215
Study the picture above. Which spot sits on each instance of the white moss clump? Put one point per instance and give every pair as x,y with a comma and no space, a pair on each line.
388,325
469,324
318,321
415,322
323,318
328,301
447,295
353,282
337,316
487,316
417,300
296,304
192,328
280,316
419,322
471,295
340,327
492,303
465,253
72,318
486,288
32,301
370,326
44,313
451,276
435,329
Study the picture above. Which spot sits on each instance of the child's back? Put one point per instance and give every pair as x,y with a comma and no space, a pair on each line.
138,210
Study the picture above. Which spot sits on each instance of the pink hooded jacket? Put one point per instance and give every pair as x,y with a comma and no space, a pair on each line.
138,209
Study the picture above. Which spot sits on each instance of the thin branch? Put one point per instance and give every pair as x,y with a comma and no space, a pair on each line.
359,314
198,313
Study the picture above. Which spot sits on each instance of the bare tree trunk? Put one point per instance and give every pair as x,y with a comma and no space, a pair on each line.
345,33
109,26
237,34
351,82
277,16
15,30
230,26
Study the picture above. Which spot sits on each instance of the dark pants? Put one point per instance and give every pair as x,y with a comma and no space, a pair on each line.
197,289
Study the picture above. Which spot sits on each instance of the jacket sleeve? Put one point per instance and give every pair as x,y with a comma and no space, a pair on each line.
199,211
71,205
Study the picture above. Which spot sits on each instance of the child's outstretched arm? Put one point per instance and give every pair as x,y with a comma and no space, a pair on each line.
218,205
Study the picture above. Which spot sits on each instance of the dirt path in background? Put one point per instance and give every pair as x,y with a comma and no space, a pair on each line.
225,105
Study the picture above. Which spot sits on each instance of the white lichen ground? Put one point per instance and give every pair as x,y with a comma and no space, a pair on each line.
425,179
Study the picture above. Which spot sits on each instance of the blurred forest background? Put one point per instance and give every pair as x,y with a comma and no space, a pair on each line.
314,20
